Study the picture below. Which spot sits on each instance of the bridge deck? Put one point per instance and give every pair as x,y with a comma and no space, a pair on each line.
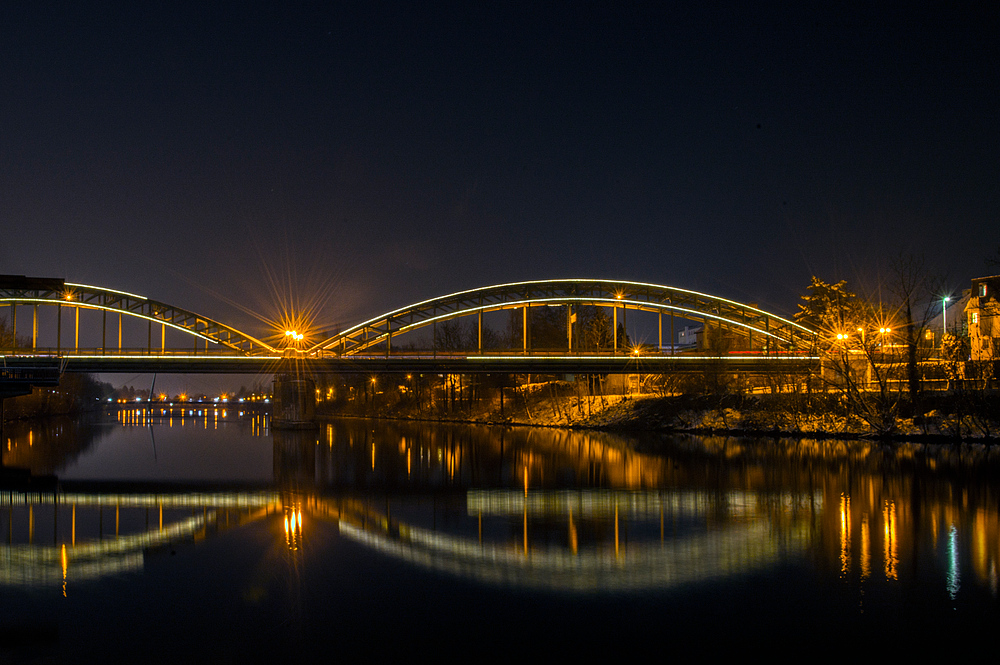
425,363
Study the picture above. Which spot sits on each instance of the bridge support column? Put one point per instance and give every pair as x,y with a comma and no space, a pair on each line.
614,327
294,405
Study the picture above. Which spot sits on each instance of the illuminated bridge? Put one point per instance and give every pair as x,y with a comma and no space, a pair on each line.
79,328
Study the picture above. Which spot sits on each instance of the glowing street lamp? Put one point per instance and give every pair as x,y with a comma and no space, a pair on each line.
944,315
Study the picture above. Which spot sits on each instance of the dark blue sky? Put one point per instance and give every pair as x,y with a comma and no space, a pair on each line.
371,155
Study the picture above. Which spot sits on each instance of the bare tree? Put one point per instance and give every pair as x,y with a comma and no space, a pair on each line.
6,335
596,328
915,293
451,336
860,361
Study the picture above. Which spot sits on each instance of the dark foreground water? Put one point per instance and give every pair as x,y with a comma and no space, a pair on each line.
202,536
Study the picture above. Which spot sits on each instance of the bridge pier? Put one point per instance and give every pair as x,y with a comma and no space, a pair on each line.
294,405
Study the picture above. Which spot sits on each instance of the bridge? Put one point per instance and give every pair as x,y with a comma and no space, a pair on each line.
125,332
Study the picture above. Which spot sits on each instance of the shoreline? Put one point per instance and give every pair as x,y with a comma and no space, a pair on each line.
751,417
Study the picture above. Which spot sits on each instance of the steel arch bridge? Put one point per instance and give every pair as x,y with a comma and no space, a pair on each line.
34,292
761,331
763,341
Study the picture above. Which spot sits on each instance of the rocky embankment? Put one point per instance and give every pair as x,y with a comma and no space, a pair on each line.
944,417
939,417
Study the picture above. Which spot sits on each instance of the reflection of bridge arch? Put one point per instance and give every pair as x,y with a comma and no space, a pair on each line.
763,330
40,565
37,292
741,540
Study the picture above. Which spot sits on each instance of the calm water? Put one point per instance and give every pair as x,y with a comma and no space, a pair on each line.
203,536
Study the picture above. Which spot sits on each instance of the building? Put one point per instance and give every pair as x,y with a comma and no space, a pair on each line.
690,337
982,315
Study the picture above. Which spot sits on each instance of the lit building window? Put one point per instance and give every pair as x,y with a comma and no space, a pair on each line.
982,290
975,317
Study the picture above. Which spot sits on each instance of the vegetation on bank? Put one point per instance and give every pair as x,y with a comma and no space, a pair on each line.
76,393
956,415
948,416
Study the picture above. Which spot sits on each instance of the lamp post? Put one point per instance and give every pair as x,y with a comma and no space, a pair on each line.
944,316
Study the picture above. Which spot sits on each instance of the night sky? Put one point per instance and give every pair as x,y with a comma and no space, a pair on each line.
363,156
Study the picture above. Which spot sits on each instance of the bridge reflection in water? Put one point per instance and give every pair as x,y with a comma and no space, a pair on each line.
40,551
532,509
664,547
613,540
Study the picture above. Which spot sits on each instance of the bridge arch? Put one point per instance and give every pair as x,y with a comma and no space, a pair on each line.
18,290
763,330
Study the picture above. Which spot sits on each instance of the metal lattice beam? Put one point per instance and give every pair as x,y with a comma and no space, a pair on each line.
780,335
15,290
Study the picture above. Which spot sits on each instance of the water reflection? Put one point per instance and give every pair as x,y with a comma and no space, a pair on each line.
550,511
64,538
587,541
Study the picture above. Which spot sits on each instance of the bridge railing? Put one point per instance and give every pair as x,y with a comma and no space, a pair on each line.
66,352
552,353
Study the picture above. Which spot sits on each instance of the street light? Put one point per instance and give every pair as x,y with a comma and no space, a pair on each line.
944,315
883,332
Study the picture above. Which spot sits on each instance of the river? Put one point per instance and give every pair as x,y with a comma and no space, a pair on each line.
199,534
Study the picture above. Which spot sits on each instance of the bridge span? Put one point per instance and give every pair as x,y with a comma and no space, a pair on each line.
552,326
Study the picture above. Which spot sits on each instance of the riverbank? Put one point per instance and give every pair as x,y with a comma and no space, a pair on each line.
939,417
76,394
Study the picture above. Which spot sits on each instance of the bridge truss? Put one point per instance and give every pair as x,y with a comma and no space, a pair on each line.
758,331
756,340
38,292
